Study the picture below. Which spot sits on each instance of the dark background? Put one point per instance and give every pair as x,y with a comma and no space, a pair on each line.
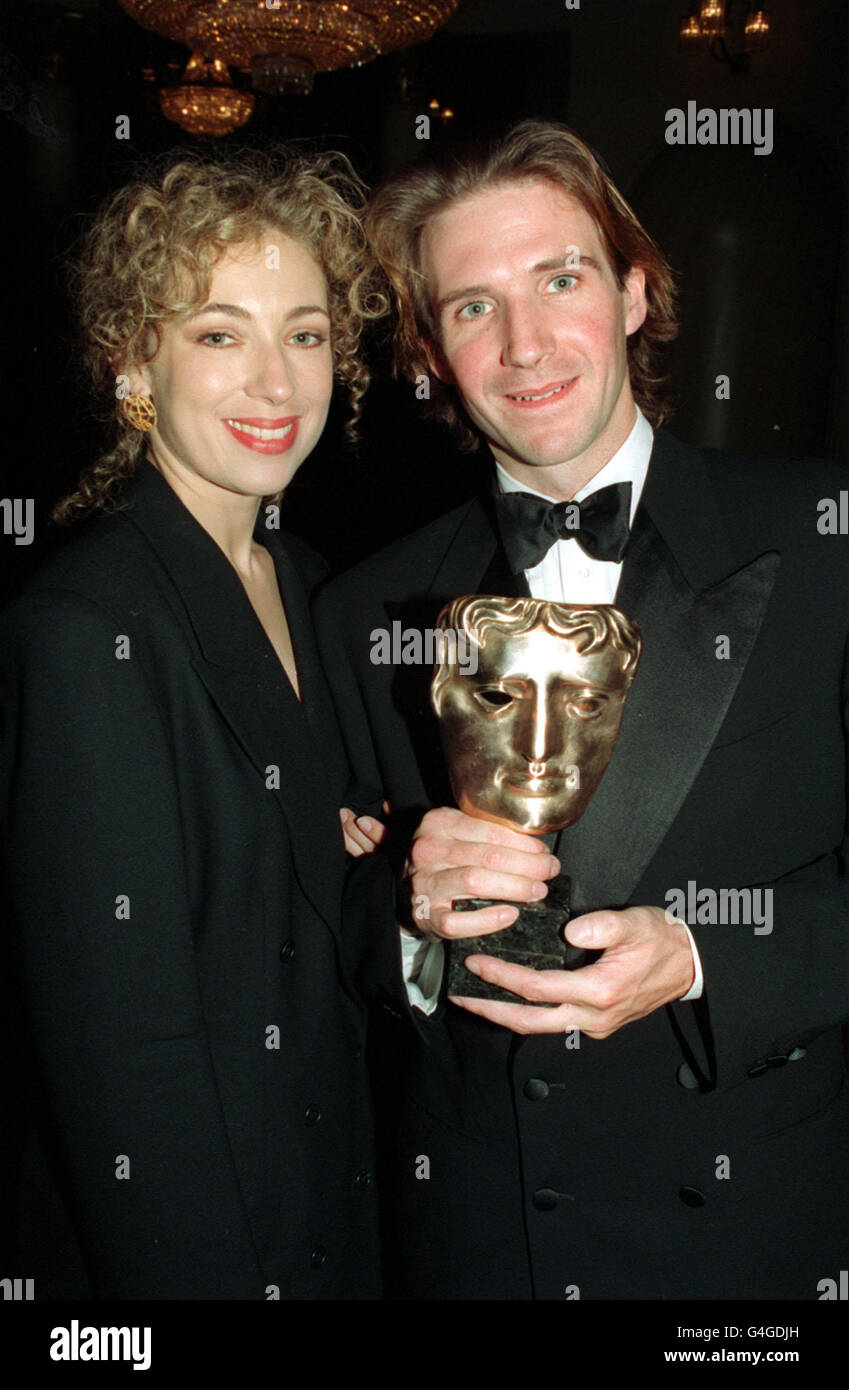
759,241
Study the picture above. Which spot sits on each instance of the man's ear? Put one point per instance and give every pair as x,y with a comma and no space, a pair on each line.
438,362
636,305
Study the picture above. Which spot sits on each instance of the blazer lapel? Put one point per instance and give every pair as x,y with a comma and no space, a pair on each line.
261,712
468,556
685,590
317,703
473,562
246,682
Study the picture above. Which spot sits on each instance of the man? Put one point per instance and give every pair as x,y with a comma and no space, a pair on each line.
676,1123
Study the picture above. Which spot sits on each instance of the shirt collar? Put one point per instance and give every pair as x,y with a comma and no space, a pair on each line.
629,464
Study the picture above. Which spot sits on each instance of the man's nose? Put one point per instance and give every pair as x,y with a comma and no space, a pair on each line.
528,338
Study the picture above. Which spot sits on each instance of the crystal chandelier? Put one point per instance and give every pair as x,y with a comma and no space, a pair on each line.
281,44
712,18
705,26
204,102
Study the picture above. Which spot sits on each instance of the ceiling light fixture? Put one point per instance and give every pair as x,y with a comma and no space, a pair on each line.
278,44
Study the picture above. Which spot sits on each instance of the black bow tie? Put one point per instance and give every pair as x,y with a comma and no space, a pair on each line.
530,525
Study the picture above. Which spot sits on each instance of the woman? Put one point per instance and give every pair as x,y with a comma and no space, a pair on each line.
190,984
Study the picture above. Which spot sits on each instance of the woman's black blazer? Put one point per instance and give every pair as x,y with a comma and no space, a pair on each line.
191,947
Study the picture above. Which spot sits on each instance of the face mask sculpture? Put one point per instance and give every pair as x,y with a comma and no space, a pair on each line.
528,731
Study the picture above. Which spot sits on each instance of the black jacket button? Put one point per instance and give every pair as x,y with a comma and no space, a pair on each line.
686,1077
363,1179
545,1199
535,1088
312,1114
287,950
692,1197
318,1257
758,1068
777,1059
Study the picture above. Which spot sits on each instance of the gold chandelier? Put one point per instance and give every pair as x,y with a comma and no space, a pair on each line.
705,26
204,102
281,44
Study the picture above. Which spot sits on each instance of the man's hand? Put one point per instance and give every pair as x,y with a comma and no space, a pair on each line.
647,963
455,856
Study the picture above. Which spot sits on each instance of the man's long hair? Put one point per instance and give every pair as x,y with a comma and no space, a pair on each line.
531,151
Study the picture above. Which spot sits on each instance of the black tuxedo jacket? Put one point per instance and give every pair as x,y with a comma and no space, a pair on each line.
190,985
704,1150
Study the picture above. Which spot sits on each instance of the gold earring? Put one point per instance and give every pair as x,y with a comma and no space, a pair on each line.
140,411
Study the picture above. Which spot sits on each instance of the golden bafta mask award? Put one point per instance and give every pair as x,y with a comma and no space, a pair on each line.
528,728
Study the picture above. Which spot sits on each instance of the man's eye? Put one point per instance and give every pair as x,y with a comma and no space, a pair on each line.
493,699
563,283
476,310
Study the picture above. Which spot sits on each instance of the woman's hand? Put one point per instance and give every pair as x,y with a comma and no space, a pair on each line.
362,834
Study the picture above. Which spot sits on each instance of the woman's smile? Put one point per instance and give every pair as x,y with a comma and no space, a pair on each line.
265,436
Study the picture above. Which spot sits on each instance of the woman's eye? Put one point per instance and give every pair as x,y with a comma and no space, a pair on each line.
564,282
216,338
476,310
305,338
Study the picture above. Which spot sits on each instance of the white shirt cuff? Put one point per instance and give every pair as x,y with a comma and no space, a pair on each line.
695,990
422,964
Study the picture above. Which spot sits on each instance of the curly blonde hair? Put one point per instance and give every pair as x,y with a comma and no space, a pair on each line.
532,150
149,255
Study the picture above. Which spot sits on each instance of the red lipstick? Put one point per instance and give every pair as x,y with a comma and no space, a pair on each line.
262,434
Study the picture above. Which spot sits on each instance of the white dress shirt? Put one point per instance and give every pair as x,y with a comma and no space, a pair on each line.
566,574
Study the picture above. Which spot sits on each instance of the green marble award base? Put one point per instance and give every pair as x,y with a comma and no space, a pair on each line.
535,940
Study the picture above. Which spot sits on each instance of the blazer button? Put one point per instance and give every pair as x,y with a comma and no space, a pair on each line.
287,950
686,1077
363,1179
318,1257
692,1197
778,1059
758,1068
545,1199
312,1114
536,1088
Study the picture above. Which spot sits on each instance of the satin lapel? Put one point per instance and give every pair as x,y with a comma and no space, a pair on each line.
681,692
473,562
500,579
468,556
244,678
